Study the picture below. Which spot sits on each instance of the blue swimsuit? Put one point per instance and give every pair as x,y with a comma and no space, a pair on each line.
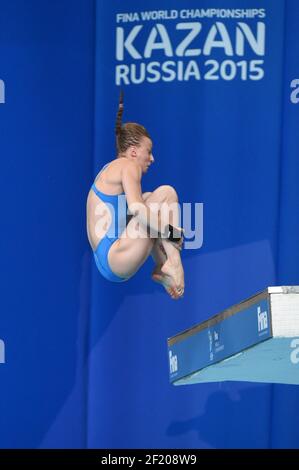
118,203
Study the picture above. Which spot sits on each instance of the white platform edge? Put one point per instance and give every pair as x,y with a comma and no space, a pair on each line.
283,290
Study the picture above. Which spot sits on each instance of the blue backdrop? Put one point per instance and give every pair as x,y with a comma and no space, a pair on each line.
85,360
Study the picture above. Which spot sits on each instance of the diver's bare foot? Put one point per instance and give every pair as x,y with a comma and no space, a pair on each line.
174,270
166,281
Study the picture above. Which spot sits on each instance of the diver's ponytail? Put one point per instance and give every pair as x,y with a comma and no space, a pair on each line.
119,114
129,133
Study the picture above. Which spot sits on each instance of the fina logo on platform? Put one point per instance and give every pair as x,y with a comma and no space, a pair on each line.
2,352
2,92
262,320
173,363
190,44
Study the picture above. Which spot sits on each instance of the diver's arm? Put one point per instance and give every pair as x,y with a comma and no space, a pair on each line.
131,181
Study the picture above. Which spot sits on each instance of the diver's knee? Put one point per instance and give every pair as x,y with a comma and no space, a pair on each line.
145,196
169,192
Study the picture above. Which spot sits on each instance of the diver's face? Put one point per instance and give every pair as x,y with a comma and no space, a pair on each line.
144,155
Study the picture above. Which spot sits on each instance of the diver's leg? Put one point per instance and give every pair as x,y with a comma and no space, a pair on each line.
128,254
166,254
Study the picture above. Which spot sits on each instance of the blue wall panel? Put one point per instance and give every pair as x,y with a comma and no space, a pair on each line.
285,399
218,142
46,142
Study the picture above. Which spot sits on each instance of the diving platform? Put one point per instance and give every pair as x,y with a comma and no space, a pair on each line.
256,340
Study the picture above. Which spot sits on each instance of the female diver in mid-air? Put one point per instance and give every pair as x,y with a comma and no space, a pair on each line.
154,216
